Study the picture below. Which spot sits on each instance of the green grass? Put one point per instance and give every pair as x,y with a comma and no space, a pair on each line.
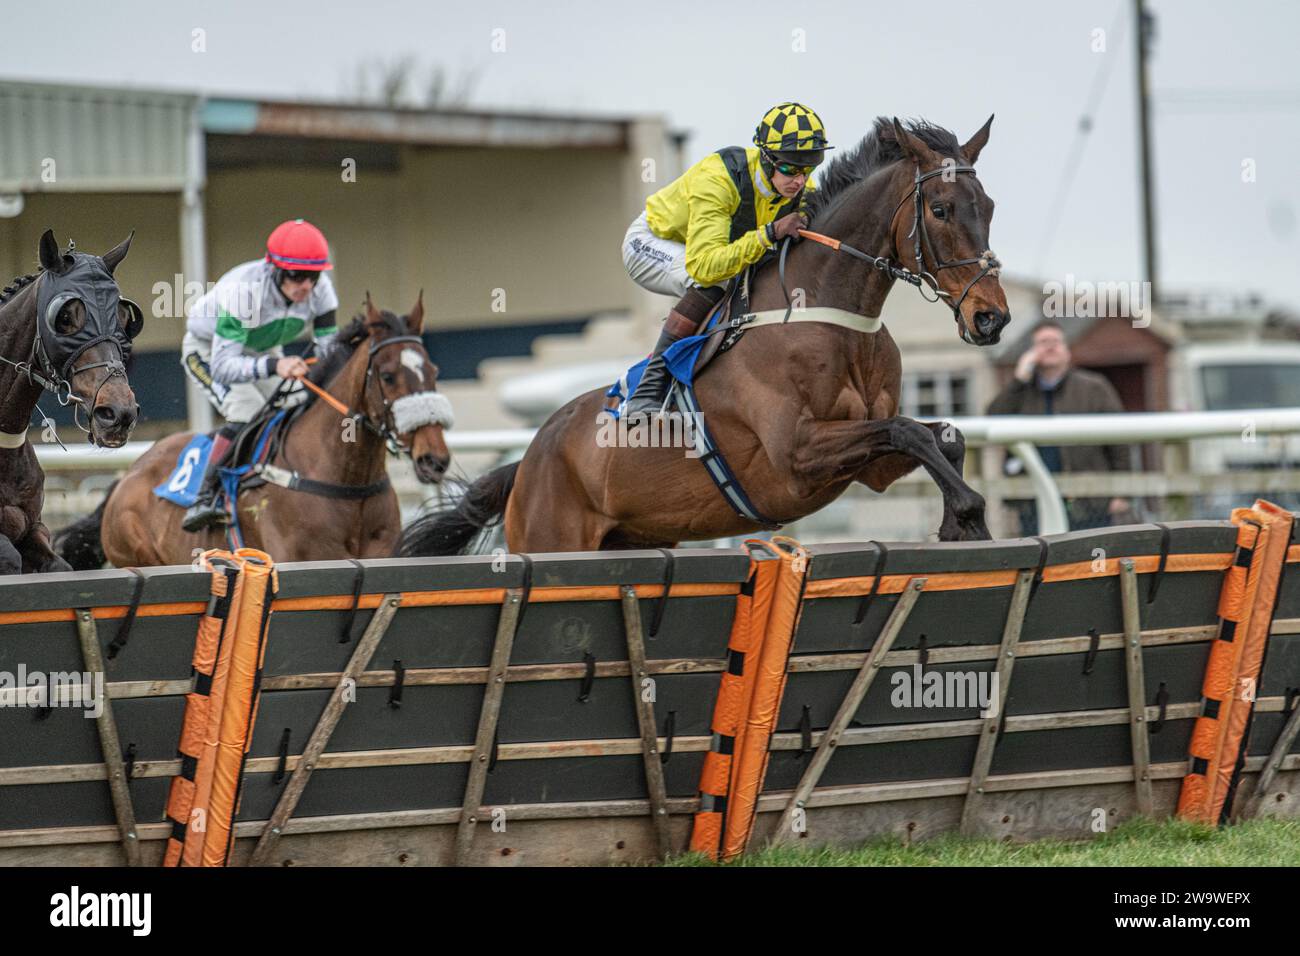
1136,843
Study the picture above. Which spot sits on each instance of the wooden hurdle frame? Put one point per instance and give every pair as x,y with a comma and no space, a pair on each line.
653,826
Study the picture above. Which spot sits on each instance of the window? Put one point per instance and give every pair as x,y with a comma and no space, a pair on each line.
935,394
1229,387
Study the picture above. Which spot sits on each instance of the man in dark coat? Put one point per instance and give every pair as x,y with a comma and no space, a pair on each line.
1045,384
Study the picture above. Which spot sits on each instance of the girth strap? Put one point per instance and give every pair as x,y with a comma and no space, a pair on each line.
324,489
682,396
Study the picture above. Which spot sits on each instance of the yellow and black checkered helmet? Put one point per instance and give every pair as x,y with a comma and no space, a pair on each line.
791,128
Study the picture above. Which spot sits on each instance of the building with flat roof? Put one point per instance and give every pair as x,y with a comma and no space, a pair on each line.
511,223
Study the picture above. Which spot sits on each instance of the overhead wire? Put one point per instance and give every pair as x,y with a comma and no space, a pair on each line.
1052,222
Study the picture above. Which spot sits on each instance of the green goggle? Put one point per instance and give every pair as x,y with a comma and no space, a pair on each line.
789,169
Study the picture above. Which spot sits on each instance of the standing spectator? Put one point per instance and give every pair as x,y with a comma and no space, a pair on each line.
1046,384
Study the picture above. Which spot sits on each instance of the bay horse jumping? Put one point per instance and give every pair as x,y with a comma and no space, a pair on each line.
800,410
64,329
340,503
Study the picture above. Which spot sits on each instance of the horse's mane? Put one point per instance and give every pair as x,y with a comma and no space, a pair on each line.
878,149
349,338
14,287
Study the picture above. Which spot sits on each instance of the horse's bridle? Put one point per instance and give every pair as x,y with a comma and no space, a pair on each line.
387,428
986,260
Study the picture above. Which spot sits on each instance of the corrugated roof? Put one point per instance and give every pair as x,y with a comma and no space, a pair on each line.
84,138
59,137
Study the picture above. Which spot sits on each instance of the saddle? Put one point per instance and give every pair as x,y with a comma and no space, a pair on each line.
719,332
255,444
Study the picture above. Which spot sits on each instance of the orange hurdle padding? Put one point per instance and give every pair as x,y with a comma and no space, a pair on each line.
752,744
748,627
247,652
1246,605
220,712
186,806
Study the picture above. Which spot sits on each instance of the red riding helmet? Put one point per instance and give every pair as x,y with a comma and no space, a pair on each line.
298,246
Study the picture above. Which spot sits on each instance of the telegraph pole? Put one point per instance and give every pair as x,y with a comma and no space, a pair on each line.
1145,34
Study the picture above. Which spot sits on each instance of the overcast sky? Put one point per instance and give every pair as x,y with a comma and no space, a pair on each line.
1225,81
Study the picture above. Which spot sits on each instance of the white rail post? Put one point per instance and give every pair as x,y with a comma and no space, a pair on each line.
1051,508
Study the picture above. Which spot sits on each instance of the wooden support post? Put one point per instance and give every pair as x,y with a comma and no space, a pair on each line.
993,717
1281,747
118,786
645,718
489,715
785,829
1136,686
320,736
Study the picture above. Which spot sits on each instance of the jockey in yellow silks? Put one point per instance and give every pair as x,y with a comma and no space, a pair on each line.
720,216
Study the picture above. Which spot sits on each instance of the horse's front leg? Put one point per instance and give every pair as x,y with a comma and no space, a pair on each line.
877,453
950,441
38,553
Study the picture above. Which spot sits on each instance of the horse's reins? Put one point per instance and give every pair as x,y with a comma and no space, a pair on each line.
987,260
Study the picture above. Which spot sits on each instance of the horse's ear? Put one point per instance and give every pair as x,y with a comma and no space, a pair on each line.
114,256
920,154
51,261
415,321
372,314
971,150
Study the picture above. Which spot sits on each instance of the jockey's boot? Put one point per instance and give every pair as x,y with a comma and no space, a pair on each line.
692,309
207,510
653,387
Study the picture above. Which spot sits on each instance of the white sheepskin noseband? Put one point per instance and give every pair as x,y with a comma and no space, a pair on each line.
423,408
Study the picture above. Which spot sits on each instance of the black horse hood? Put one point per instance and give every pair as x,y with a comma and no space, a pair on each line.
88,280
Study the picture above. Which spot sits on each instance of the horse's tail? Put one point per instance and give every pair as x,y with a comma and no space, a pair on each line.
450,530
79,543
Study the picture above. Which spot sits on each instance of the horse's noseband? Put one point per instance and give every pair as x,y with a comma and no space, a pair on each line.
387,428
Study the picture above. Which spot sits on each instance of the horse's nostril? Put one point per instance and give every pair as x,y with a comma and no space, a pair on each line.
115,418
987,323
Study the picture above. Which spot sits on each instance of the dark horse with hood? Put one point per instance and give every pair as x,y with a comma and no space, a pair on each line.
65,329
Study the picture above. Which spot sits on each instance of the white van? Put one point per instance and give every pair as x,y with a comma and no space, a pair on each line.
1228,377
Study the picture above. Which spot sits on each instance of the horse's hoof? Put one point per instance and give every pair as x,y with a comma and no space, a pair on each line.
965,530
